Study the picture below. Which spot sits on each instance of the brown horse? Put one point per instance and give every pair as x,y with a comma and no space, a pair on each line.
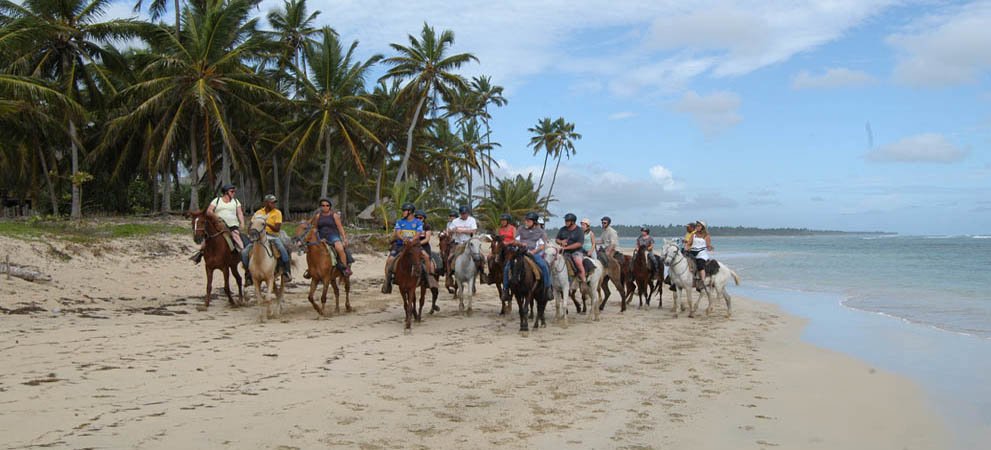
446,244
642,276
614,273
408,275
216,254
499,253
318,261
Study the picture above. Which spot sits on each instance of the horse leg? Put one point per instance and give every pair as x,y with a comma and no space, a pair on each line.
313,289
209,287
227,285
337,295
434,292
461,297
471,297
263,304
524,322
659,287
729,308
408,325
347,294
423,299
238,281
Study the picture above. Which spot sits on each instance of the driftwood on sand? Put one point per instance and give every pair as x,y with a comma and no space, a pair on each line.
28,273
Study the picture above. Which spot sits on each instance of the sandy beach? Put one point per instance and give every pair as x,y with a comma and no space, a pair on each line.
115,355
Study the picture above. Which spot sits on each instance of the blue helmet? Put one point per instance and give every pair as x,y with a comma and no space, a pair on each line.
462,209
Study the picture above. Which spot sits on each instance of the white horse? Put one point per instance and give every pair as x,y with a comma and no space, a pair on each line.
264,268
681,276
715,284
465,269
559,278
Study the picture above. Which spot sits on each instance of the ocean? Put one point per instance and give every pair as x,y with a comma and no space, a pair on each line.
919,306
937,281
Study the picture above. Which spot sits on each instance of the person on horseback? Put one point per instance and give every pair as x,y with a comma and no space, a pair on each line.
462,229
330,229
589,245
686,243
646,240
701,245
608,241
571,239
540,222
507,231
273,224
425,245
534,238
228,208
407,228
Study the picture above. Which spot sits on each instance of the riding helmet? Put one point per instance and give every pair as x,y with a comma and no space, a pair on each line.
409,207
453,213
226,187
645,229
506,217
532,216
607,219
570,218
462,209
420,214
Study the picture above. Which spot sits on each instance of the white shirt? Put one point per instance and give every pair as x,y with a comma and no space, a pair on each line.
698,245
470,223
227,211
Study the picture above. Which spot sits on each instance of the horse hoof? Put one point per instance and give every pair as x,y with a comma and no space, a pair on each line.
201,308
407,331
468,312
524,333
337,310
434,308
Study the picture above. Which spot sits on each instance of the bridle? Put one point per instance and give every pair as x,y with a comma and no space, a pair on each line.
672,259
198,230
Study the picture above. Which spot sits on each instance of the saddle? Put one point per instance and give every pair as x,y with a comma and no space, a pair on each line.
530,263
569,262
711,267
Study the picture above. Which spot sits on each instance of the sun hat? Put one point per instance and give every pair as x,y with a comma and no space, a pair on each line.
586,221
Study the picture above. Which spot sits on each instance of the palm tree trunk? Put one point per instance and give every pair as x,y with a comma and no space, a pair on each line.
326,168
469,190
77,191
48,180
553,180
540,184
275,177
177,19
343,196
225,165
155,176
409,137
288,190
208,153
194,168
166,190
378,180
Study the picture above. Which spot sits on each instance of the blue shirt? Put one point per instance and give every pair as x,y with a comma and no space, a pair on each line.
408,229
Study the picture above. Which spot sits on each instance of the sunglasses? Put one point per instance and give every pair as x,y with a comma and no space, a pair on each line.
324,205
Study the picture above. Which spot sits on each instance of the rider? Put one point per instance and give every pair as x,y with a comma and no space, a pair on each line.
330,229
686,242
407,228
425,245
700,247
507,231
589,245
608,240
273,223
461,229
571,239
646,240
534,238
228,208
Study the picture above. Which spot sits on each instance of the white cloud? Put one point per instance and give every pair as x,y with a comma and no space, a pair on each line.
714,112
945,49
622,115
663,176
928,147
832,78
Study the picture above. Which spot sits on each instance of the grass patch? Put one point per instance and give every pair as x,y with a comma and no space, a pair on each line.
84,232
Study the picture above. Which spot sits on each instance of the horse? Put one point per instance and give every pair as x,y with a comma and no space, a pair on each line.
524,285
681,276
559,276
446,243
465,268
614,273
322,270
499,253
716,283
408,275
642,275
264,267
217,254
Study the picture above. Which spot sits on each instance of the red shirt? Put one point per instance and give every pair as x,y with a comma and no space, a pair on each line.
508,233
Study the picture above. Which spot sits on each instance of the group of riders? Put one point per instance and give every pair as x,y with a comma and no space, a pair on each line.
576,242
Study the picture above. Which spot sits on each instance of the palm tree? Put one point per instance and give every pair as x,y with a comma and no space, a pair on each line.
545,137
157,8
294,30
488,94
515,196
333,105
61,40
430,69
565,144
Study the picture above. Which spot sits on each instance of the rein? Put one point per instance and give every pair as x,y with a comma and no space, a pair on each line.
197,229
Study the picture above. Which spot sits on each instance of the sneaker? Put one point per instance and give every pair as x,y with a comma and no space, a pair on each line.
247,279
196,257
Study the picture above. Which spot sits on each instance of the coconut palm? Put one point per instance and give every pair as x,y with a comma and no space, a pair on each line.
488,94
62,41
293,29
333,105
545,137
515,196
426,62
198,81
565,146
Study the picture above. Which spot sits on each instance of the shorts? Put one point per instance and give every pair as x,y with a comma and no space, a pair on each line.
396,248
426,248
332,239
572,253
700,263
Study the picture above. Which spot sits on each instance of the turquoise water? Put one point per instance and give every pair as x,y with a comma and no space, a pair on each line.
938,281
915,305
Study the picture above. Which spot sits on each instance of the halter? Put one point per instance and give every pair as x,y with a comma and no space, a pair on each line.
197,229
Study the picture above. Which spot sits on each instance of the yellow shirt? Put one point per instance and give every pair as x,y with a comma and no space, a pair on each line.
274,218
688,238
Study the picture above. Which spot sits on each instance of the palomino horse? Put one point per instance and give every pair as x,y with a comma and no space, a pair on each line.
524,285
681,277
217,254
589,289
264,268
322,271
499,253
465,268
409,274
641,275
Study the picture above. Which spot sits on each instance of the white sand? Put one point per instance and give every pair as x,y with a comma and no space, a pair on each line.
219,379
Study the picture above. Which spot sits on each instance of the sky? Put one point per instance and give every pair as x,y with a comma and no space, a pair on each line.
831,114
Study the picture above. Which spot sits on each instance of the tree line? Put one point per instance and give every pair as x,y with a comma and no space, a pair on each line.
671,230
131,116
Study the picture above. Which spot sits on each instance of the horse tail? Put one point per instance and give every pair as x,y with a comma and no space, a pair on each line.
736,277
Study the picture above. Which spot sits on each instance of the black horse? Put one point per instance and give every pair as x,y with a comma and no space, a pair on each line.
526,287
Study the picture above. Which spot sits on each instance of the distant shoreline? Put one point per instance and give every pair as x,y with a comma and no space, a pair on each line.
630,231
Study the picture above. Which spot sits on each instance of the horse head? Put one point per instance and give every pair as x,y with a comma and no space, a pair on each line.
550,254
669,252
305,232
257,227
199,226
475,250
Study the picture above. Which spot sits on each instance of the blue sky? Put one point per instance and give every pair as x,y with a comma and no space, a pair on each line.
738,113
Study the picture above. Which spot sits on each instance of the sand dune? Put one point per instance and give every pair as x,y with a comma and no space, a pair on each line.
119,357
